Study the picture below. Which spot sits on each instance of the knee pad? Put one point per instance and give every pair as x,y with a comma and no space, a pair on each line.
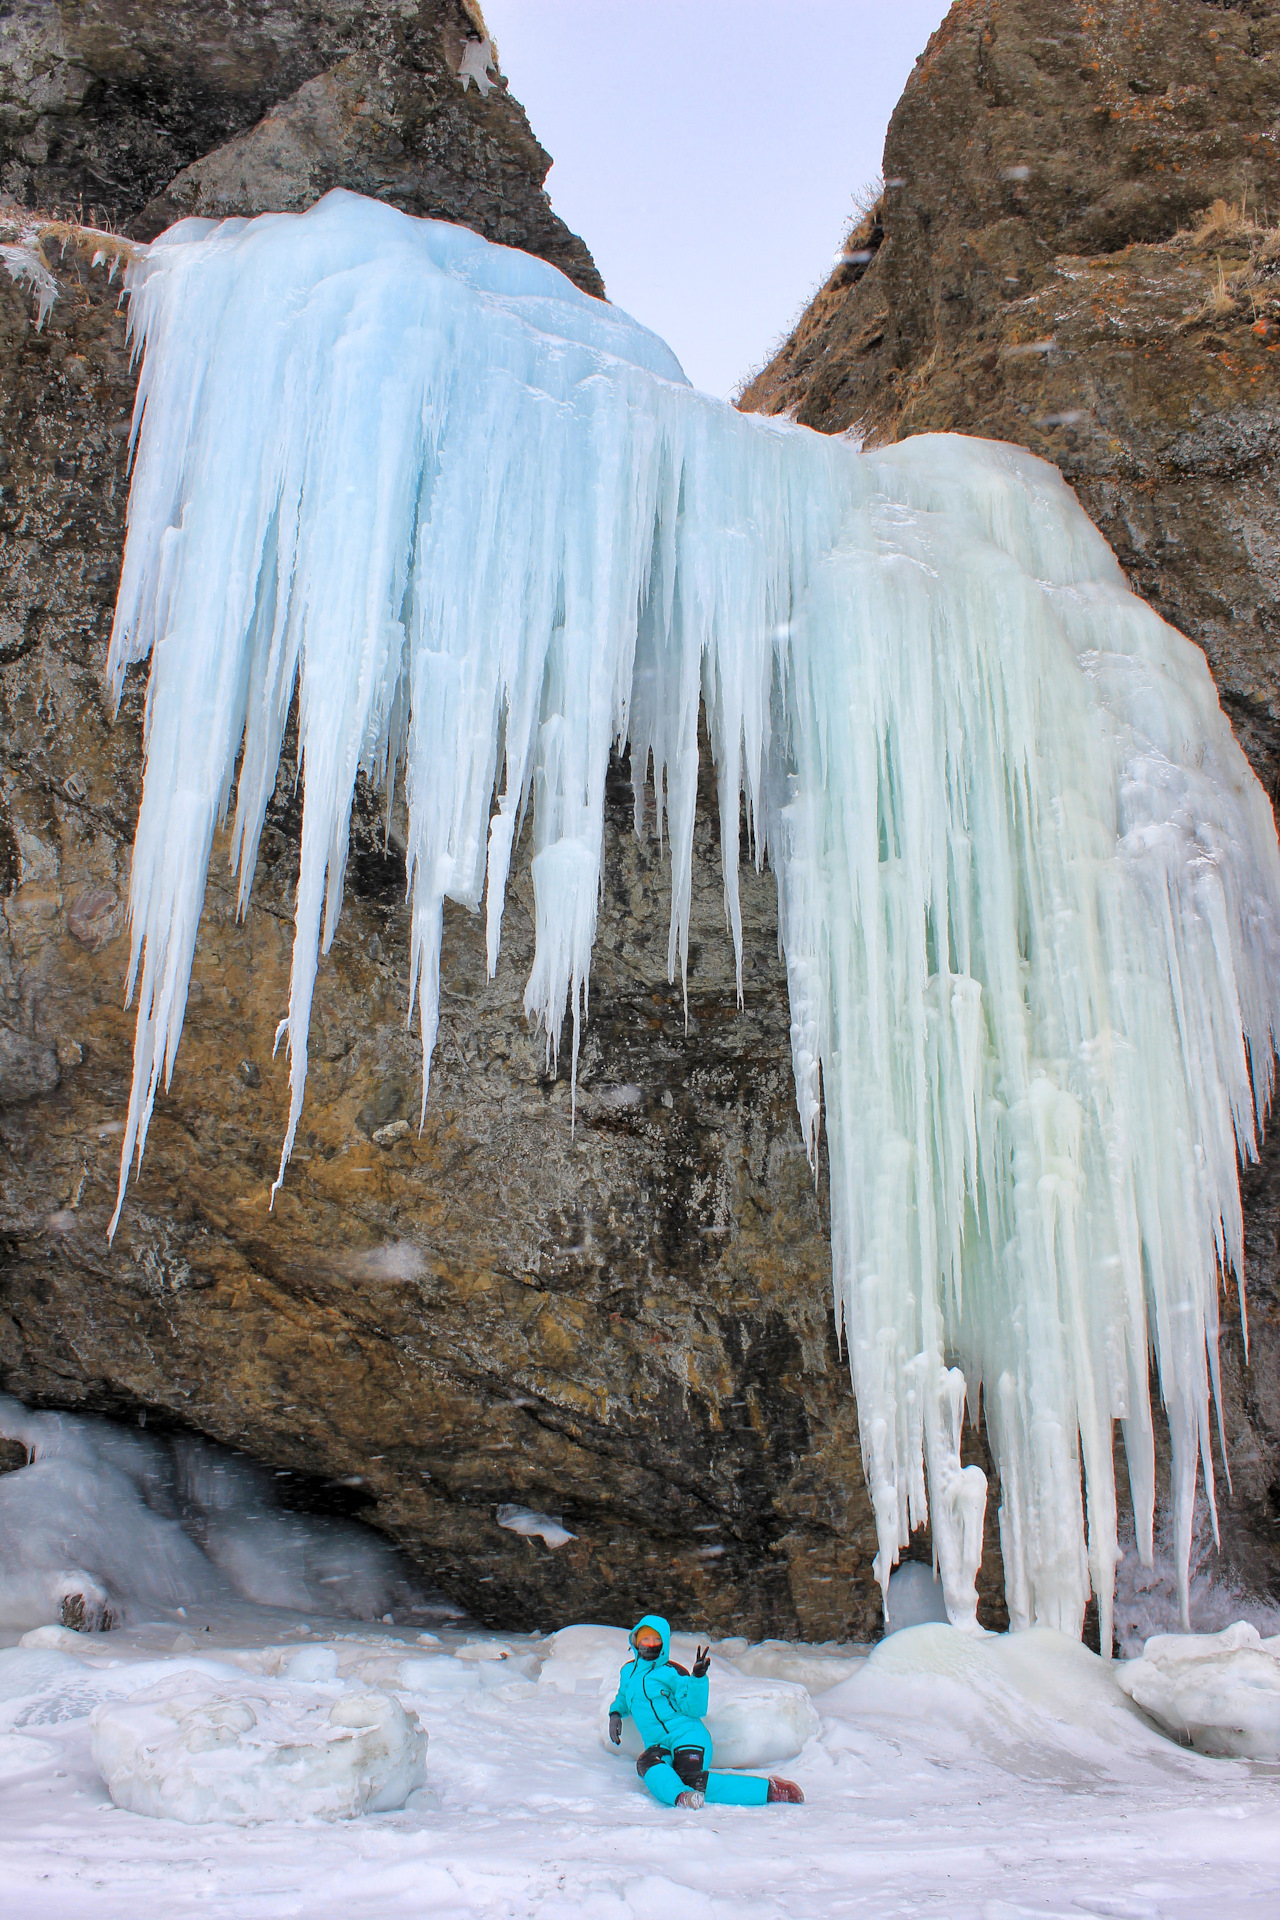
651,1757
687,1762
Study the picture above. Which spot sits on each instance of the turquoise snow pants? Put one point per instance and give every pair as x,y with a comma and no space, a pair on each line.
721,1789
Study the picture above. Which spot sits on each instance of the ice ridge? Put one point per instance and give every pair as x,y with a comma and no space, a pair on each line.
1028,885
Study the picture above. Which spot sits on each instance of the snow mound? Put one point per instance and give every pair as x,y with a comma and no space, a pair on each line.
1037,1704
20,1756
754,1723
51,1636
587,1659
440,1677
474,1667
815,1667
197,1750
1220,1691
34,1665
313,1664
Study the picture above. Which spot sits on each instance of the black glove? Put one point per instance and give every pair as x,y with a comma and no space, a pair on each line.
615,1729
702,1662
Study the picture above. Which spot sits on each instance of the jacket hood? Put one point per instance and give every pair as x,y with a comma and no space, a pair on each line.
656,1621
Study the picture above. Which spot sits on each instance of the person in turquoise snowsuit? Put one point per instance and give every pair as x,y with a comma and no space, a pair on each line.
667,1705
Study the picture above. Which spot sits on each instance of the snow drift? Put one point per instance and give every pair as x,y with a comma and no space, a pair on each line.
1027,882
1037,1705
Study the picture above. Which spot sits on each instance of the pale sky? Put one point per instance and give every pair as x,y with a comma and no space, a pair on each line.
709,151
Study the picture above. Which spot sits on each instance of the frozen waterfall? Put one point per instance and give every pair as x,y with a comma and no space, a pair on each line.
1028,884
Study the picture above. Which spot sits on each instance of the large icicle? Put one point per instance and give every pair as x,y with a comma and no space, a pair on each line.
1028,886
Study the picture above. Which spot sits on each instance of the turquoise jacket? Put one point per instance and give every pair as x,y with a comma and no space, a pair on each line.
664,1704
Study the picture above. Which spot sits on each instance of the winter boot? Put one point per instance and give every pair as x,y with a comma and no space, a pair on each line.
692,1798
783,1790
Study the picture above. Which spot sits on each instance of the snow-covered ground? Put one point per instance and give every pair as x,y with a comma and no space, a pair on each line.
980,1779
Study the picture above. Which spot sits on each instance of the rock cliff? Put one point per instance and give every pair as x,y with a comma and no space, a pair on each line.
134,113
624,1321
1075,249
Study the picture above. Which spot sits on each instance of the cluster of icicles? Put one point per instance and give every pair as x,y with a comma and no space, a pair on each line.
1027,883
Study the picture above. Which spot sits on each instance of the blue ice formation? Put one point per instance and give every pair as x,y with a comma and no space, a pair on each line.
1028,885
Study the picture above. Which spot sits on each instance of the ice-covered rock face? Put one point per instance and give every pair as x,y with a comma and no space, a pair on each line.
194,1749
105,1522
1027,883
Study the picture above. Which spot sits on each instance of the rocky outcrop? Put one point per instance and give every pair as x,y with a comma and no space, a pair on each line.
1047,265
133,113
1074,251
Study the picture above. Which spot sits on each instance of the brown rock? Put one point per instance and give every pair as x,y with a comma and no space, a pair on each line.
624,1320
26,1068
87,1612
95,917
135,115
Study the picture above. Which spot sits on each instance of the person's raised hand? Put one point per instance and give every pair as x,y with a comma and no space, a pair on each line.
615,1729
702,1662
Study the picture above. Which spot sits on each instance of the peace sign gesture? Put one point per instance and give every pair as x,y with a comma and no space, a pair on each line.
702,1662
